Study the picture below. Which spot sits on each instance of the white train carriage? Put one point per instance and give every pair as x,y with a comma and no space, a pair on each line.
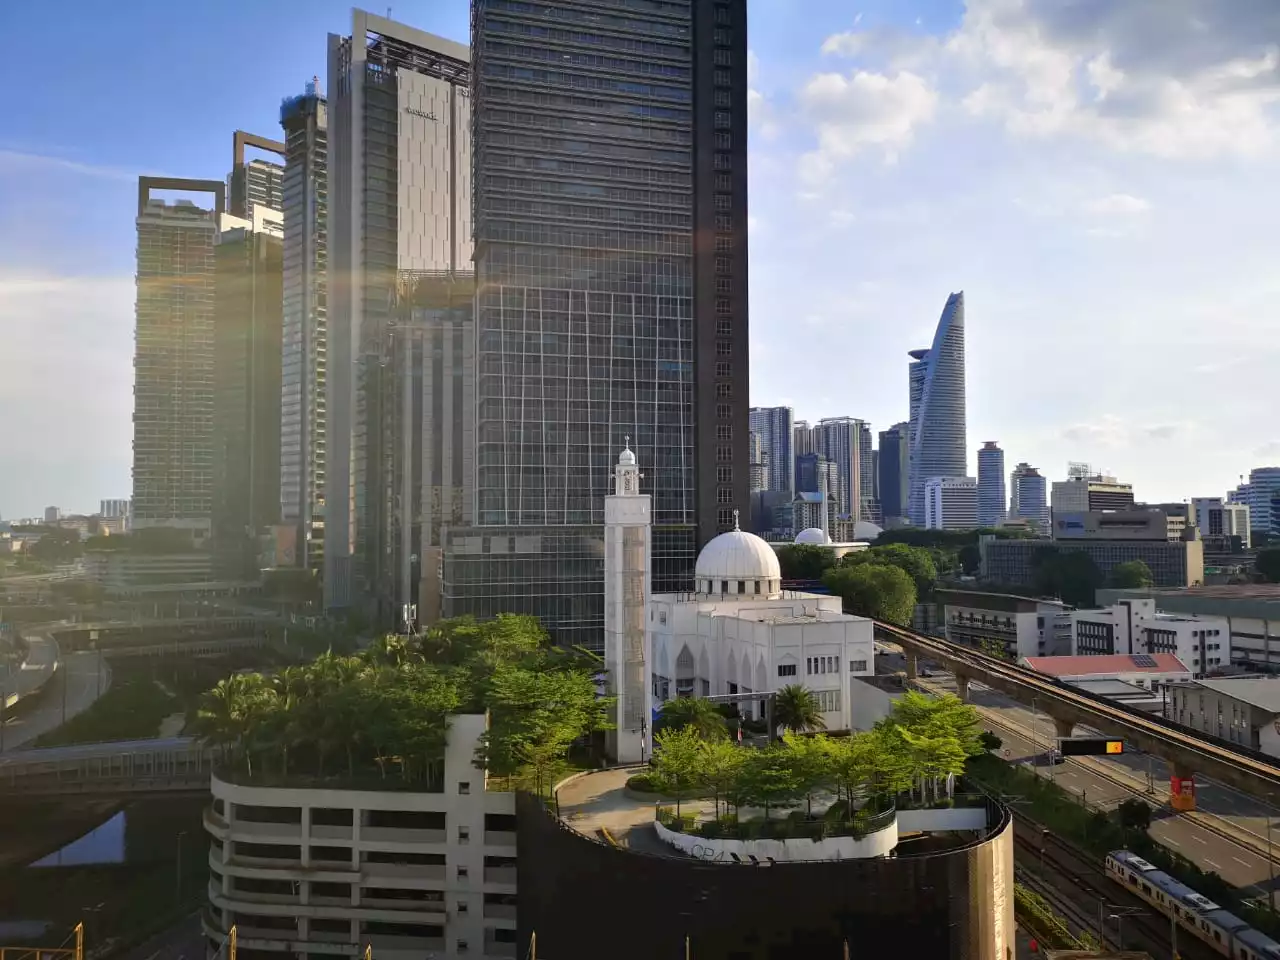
1221,929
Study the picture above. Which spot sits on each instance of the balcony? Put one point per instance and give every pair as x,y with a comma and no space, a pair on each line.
413,871
324,831
505,875
398,836
420,945
215,824
254,828
499,838
500,911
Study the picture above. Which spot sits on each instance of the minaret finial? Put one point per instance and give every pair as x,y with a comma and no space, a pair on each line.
626,441
735,520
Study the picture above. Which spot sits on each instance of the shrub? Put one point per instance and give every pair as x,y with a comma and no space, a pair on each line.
642,783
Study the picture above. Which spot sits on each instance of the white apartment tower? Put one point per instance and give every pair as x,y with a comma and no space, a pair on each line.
950,503
991,491
627,562
304,346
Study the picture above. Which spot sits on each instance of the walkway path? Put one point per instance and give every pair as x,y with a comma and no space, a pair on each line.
599,800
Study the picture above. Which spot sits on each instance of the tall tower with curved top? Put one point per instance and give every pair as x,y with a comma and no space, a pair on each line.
936,377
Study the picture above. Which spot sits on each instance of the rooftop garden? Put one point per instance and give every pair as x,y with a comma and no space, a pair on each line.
911,758
382,716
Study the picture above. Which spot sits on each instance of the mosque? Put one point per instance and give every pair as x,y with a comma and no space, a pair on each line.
739,632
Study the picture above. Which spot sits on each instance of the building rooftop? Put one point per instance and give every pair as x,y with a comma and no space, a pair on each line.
1241,591
1257,691
1081,666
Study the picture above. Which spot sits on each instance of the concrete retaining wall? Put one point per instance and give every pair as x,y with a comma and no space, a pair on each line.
878,844
954,818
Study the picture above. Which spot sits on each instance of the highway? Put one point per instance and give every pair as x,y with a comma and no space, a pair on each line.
82,682
1027,735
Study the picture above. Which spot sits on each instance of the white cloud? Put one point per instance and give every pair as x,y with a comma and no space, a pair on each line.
18,161
1111,432
862,110
1117,204
1136,76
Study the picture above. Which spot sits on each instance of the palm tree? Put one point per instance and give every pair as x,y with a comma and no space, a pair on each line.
795,708
695,712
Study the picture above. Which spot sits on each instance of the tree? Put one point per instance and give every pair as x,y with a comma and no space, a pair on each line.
702,715
874,590
970,558
769,779
805,561
811,765
1134,814
989,740
795,708
722,762
1070,575
915,562
1267,563
1132,575
678,758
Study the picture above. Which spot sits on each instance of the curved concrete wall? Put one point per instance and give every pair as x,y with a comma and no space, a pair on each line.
953,903
878,844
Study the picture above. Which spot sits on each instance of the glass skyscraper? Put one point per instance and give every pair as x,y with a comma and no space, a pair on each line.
936,379
991,499
610,227
399,201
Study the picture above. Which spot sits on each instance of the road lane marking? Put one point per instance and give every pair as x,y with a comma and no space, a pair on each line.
1238,860
1216,866
1199,839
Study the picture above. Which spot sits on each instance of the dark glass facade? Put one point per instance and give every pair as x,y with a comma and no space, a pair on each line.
610,226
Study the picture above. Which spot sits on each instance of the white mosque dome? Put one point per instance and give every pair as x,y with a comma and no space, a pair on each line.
814,535
738,563
626,458
865,530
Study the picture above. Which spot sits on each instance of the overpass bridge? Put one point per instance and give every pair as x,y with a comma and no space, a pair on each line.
169,765
1187,752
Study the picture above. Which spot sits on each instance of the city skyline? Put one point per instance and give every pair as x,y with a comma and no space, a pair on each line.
1104,243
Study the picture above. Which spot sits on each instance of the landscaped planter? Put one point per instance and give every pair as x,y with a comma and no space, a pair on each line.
878,844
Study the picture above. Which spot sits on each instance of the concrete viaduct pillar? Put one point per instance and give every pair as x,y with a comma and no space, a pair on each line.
1063,728
962,686
913,666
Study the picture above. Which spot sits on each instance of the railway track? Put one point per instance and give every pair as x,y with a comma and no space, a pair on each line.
1077,884
1217,761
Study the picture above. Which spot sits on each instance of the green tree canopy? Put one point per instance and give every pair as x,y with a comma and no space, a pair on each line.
390,706
874,590
701,715
1069,574
804,561
795,708
1267,563
1131,575
678,756
915,562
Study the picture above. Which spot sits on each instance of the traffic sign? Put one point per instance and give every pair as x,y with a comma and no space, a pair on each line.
1089,746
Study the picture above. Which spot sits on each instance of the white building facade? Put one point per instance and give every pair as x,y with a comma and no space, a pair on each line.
1217,518
951,503
1203,644
408,873
740,633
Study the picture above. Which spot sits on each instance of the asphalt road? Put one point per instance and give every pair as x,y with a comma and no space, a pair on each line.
1235,863
80,679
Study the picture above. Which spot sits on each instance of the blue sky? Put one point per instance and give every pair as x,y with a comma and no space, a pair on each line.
1098,177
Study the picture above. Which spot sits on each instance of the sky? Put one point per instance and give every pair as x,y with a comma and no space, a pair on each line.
1098,177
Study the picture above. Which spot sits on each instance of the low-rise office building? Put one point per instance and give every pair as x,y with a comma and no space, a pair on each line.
1109,540
1135,626
951,503
1020,626
1153,672
1243,710
1251,613
327,870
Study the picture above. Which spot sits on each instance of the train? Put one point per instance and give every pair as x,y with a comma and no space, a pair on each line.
1220,929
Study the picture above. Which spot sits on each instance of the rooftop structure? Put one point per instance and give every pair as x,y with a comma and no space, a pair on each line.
1158,664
